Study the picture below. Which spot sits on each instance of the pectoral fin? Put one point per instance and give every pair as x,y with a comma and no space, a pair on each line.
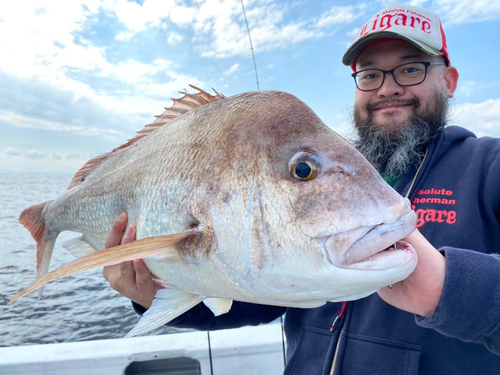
162,246
169,304
78,247
218,306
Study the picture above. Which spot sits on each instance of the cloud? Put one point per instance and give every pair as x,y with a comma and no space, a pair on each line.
49,44
181,15
467,88
137,18
10,151
152,13
352,33
338,15
124,35
466,11
21,121
52,56
75,157
35,155
457,11
174,38
232,69
40,155
470,87
132,71
44,40
481,118
418,3
221,32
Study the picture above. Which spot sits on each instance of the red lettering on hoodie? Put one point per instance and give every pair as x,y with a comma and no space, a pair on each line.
430,215
440,197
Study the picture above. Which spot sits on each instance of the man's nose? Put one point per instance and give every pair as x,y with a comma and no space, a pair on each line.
390,87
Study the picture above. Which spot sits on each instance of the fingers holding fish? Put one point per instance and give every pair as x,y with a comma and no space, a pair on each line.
132,279
420,292
145,286
142,275
117,230
116,237
120,275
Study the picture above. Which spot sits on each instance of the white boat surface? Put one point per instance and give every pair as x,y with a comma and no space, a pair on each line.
242,351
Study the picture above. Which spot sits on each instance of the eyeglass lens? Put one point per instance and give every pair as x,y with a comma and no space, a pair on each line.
406,75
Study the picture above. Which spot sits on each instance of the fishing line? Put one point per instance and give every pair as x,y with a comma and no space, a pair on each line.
258,89
283,340
251,46
210,354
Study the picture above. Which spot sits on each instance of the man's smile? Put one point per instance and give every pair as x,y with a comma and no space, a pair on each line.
391,107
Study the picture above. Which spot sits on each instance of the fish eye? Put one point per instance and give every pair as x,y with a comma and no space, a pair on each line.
304,166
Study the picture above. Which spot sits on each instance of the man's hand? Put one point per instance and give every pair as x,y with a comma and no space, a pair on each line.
132,279
420,292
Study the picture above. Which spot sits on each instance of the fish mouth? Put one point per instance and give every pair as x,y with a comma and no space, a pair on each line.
375,247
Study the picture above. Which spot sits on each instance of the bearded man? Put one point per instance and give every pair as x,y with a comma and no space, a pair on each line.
444,318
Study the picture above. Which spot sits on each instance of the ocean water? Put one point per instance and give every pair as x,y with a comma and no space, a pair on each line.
75,308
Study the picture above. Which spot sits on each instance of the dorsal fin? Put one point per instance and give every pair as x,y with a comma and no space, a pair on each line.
180,106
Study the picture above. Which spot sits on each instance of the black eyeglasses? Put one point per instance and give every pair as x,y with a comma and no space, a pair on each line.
409,74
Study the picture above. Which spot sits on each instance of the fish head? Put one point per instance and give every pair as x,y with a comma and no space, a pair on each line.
320,219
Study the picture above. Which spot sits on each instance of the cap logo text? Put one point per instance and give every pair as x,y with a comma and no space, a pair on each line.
397,17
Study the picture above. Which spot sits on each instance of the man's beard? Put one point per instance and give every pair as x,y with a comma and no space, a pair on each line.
393,149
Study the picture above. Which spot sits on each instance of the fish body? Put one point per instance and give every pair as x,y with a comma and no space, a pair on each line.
268,204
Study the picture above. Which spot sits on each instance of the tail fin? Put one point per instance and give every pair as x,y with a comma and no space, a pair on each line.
32,219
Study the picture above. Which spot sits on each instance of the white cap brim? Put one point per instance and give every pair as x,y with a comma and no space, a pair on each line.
357,47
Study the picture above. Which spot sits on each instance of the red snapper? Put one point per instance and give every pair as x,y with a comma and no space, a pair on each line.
250,198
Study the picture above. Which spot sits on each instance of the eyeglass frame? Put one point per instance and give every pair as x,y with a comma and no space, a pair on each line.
385,72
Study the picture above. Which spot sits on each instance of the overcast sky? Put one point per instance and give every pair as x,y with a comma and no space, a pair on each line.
79,77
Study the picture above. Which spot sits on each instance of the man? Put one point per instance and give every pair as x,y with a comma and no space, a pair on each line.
445,318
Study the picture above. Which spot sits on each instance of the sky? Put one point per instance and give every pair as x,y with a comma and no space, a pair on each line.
80,77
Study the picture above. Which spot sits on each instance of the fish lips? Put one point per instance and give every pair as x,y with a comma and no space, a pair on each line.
373,247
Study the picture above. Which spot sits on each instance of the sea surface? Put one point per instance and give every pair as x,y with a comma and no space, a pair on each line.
75,308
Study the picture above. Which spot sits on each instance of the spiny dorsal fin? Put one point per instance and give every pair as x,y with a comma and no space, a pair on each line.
180,106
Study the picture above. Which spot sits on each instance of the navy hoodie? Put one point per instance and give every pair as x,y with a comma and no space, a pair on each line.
456,196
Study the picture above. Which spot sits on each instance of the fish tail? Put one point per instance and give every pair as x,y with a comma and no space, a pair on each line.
33,219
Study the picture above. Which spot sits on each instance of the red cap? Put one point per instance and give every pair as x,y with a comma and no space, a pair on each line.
418,26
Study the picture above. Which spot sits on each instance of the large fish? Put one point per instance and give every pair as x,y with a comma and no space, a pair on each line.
249,198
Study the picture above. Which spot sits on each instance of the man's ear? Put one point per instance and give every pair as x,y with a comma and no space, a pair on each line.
451,78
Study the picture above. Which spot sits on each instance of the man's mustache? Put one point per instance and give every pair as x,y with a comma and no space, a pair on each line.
413,101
